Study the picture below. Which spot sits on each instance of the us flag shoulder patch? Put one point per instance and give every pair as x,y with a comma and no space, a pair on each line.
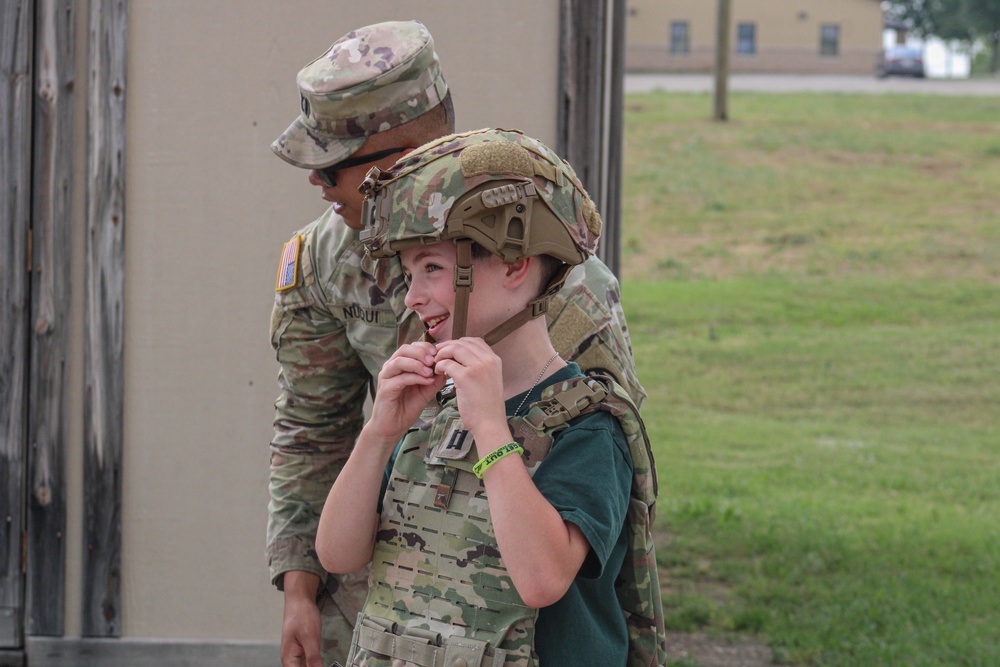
288,269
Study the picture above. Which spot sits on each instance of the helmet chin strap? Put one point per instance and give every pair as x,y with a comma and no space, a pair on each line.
463,287
535,308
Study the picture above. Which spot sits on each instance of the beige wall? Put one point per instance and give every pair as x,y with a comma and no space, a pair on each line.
210,85
787,33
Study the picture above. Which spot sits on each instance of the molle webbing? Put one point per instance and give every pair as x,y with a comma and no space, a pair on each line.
422,647
561,407
436,566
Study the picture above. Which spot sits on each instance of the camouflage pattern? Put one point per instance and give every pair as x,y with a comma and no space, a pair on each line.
638,583
587,325
437,573
370,80
331,333
339,602
440,571
423,198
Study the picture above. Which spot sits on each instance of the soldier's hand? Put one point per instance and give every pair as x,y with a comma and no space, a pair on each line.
302,626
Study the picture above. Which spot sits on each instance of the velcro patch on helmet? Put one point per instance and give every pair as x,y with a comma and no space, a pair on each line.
592,217
493,157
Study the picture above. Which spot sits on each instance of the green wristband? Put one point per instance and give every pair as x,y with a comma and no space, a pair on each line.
495,456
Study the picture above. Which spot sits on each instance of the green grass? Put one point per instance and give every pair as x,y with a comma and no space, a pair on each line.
813,293
823,185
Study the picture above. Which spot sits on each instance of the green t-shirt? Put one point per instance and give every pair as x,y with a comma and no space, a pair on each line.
587,477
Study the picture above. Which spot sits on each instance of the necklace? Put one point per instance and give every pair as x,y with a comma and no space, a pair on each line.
535,384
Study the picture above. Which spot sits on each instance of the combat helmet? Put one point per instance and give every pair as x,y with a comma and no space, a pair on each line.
501,189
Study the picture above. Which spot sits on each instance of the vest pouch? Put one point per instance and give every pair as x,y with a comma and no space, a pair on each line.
378,642
465,652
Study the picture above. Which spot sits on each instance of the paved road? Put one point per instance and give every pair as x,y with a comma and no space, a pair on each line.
703,83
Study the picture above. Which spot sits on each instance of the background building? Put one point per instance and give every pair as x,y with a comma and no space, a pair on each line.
791,36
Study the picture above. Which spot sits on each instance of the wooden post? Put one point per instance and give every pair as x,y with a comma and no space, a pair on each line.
615,123
721,108
50,309
104,314
16,26
591,68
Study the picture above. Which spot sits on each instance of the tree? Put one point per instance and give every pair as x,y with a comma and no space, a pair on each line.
952,20
983,17
944,19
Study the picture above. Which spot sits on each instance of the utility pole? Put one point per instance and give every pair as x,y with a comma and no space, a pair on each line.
721,111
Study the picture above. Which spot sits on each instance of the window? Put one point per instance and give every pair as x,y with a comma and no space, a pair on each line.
680,38
746,38
829,39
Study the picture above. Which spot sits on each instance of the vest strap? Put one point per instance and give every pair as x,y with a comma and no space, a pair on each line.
421,647
442,497
565,405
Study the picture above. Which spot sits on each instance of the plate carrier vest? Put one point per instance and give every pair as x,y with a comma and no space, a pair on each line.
448,601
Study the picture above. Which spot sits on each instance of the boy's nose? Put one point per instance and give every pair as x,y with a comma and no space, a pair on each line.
414,296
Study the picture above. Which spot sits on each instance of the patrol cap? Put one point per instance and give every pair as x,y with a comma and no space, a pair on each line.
370,80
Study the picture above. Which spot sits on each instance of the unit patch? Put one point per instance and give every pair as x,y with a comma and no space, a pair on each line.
288,268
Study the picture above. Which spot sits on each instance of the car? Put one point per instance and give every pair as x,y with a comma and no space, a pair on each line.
900,61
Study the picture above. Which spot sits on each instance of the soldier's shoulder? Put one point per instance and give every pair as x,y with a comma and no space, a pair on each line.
329,234
595,272
317,257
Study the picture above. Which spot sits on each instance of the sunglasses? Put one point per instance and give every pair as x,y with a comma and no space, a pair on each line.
329,174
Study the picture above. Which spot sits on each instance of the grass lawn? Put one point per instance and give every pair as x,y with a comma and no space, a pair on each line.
813,291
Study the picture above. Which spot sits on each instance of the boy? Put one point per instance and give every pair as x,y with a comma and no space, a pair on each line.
493,540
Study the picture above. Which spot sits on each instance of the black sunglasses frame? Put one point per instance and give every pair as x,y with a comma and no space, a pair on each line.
329,174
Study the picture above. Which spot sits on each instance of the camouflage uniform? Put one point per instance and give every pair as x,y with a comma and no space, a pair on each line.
336,312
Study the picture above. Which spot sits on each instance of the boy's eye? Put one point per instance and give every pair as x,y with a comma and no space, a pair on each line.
432,267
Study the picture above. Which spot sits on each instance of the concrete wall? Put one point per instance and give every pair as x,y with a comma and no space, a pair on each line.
210,85
787,35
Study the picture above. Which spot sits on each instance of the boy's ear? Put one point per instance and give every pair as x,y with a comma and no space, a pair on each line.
518,271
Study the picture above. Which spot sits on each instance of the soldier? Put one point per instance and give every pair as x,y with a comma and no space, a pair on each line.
499,531
375,95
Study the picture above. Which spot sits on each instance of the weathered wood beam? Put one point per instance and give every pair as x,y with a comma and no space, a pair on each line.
104,316
615,136
591,67
50,309
16,33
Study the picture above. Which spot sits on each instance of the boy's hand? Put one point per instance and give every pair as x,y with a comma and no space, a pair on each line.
406,384
478,375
